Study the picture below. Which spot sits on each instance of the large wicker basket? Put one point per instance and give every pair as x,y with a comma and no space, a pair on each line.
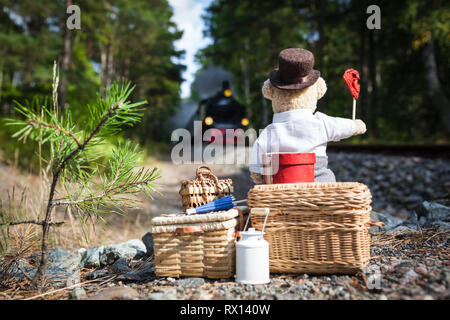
200,245
204,188
318,228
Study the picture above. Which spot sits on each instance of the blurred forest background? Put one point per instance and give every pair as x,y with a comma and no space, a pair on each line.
404,67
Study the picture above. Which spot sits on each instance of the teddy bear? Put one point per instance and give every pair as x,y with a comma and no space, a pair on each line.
294,89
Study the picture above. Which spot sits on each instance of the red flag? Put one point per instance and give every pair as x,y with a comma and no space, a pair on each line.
351,77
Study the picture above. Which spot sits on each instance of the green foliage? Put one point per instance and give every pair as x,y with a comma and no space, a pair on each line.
75,150
118,39
394,100
75,168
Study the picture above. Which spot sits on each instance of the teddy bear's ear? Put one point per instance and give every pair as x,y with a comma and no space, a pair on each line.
321,88
267,89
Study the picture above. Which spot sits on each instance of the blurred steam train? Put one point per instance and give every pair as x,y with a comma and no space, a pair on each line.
222,114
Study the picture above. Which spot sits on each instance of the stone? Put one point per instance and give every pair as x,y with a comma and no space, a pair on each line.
422,221
57,254
409,276
91,258
403,267
421,270
18,267
120,266
162,294
58,275
400,230
107,255
147,239
190,282
434,211
132,249
413,219
78,293
97,274
390,222
116,293
143,274
440,224
171,280
59,258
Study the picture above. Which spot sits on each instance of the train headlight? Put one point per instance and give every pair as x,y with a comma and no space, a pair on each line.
245,122
209,121
227,93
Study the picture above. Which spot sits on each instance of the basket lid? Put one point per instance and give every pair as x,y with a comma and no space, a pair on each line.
196,218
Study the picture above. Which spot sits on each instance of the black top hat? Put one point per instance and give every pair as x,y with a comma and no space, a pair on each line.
295,70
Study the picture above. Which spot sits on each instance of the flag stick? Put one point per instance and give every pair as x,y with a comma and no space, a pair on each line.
354,108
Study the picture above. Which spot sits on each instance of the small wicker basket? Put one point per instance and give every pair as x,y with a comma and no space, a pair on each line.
200,245
317,228
206,187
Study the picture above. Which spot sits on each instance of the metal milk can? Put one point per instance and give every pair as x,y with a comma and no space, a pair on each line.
252,256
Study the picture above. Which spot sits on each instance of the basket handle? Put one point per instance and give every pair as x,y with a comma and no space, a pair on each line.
187,230
203,171
375,224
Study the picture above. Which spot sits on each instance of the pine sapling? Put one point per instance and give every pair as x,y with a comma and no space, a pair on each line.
86,189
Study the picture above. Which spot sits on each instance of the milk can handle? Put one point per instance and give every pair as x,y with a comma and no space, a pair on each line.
265,220
246,223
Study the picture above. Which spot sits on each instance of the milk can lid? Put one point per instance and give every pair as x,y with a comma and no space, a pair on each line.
252,232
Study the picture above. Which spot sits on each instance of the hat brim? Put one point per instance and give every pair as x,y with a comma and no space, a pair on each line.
275,80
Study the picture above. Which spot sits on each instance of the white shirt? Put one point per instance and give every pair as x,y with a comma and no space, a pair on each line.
299,131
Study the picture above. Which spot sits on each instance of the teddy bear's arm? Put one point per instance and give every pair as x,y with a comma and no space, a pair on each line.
360,127
337,128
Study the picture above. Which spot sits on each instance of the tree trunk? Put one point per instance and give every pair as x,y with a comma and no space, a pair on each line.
65,65
373,86
321,5
1,83
103,67
363,82
36,282
273,60
437,96
110,69
126,69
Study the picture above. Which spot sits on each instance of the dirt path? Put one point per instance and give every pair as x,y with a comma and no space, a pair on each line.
138,221
173,175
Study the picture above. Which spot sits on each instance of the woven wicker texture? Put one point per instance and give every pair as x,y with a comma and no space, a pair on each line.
210,253
195,218
317,228
206,187
210,226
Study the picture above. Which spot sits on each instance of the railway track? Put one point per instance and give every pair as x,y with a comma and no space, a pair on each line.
428,151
